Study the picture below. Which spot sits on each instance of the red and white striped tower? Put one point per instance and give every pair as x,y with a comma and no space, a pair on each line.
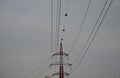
61,68
61,54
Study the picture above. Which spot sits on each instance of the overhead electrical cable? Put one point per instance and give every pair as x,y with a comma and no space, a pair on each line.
93,36
91,33
59,21
56,31
59,14
84,18
51,29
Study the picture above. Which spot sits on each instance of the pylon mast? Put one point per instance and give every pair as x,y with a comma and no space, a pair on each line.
61,68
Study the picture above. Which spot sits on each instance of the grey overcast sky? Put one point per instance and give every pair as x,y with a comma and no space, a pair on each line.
25,38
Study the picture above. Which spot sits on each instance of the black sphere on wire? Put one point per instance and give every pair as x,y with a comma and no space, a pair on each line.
61,39
63,30
66,14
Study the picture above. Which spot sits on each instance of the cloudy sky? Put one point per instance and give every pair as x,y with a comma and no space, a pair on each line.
25,38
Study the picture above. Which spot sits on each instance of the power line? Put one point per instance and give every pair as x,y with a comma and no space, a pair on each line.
59,20
93,36
56,32
91,32
51,27
84,18
59,15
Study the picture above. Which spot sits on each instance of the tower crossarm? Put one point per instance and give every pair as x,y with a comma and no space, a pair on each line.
64,54
58,63
66,74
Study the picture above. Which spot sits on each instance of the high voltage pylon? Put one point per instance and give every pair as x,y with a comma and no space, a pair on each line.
61,63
